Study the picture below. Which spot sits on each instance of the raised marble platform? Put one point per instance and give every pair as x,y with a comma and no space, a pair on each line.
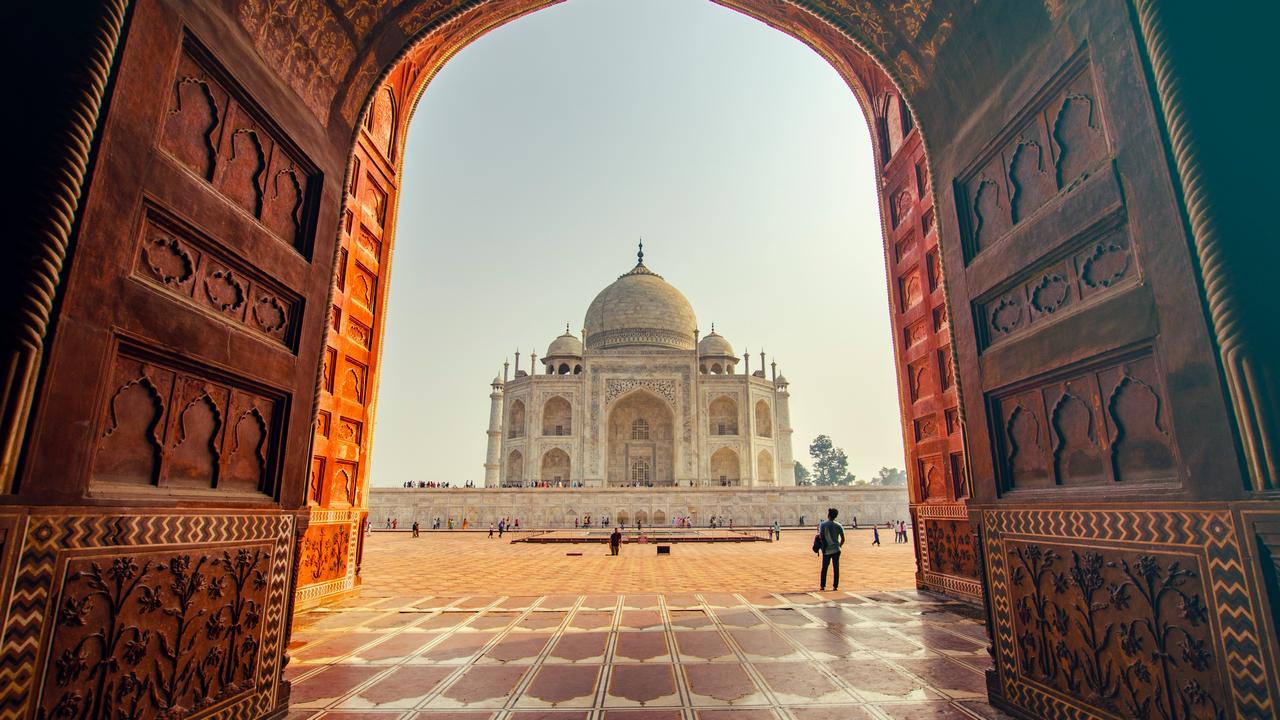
559,507
650,536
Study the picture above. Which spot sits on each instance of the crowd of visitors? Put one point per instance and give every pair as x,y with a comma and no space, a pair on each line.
539,484
430,485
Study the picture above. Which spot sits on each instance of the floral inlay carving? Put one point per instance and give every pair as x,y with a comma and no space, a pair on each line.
665,389
1128,631
158,635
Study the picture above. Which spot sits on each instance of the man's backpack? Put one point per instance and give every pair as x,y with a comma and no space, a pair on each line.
818,543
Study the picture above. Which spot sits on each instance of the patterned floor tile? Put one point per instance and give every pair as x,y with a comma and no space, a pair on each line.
331,683
721,683
404,687
702,645
562,685
642,685
801,682
481,687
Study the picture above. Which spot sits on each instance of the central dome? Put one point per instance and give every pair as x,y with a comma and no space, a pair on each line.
640,309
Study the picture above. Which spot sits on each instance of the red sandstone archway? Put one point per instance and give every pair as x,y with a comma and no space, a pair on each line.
158,403
921,331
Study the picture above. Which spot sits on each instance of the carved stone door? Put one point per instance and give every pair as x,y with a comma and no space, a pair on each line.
166,453
1105,471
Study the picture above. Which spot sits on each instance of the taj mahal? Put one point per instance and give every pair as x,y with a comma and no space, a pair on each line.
640,418
640,400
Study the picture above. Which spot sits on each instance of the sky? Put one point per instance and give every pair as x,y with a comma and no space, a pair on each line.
546,148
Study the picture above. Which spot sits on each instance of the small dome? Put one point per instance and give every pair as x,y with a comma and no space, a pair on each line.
497,380
714,344
780,380
640,309
567,345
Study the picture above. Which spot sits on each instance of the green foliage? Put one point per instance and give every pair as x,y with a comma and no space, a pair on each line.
802,474
890,476
830,464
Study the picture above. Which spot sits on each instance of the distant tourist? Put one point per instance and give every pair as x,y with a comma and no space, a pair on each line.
415,528
615,541
502,525
832,536
875,534
777,531
490,531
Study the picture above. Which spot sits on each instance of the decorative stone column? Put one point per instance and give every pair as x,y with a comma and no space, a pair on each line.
493,454
782,400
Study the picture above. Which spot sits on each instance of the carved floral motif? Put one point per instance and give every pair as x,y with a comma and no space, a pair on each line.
663,388
950,547
1127,631
156,634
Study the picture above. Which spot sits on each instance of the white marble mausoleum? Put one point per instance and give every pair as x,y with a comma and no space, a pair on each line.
640,400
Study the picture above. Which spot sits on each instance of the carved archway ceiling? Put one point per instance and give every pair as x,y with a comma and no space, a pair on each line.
332,52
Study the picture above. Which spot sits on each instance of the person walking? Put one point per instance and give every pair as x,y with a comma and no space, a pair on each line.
415,528
832,535
777,531
875,534
615,541
490,531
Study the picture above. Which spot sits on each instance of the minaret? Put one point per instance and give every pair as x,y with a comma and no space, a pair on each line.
493,454
746,363
782,402
774,370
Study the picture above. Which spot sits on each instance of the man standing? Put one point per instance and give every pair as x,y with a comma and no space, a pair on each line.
615,541
832,538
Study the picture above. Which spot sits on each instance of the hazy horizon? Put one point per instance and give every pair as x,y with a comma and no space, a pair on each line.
544,150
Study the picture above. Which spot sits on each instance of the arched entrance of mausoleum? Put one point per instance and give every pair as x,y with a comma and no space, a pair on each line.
185,394
640,450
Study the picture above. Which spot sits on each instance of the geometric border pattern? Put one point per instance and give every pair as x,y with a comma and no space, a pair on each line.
1210,534
309,595
952,585
49,540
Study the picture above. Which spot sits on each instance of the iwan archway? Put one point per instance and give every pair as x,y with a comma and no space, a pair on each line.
174,408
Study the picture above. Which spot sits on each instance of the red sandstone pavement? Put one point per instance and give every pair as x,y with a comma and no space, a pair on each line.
464,563
587,651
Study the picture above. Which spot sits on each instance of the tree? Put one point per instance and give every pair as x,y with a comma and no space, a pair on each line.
830,464
890,476
802,474
851,479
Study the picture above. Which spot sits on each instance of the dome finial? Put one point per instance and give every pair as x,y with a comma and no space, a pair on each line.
566,328
713,328
640,253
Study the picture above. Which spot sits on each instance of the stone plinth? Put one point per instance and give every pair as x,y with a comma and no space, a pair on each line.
559,507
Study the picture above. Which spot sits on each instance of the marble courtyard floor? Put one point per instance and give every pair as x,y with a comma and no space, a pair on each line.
453,626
